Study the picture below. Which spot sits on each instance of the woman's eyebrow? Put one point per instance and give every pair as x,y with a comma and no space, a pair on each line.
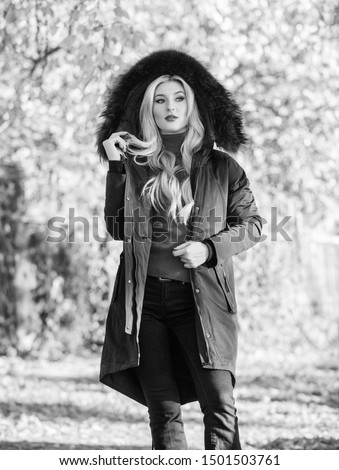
176,93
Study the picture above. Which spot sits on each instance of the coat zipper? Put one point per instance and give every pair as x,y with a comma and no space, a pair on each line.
192,284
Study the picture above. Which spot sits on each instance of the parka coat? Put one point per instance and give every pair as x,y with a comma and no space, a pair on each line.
224,212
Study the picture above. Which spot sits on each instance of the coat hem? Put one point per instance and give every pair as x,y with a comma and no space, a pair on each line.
121,380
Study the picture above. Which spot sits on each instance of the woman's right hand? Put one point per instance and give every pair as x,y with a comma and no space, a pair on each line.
115,146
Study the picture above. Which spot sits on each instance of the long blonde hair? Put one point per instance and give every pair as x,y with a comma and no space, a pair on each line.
164,190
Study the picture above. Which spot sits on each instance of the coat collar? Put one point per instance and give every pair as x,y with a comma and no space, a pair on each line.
219,112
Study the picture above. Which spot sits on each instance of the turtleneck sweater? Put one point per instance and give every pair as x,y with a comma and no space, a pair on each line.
167,233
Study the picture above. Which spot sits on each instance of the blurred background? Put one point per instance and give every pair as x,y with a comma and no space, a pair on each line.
280,60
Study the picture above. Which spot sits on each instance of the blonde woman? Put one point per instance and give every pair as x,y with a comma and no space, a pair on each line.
183,209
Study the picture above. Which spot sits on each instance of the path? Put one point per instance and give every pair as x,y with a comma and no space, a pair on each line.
61,405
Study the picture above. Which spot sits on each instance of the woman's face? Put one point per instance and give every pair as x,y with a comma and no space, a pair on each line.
170,107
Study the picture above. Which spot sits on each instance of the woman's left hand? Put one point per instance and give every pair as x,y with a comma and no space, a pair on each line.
191,253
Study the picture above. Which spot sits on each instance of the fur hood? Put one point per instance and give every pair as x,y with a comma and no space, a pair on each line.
220,114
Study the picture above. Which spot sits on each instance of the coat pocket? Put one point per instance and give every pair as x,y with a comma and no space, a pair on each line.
117,280
224,283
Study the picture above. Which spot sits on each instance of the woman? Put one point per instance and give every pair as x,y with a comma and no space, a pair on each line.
182,209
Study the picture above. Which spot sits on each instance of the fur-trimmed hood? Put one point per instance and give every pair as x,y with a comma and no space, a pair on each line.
220,114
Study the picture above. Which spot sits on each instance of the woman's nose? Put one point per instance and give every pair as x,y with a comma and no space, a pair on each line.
170,106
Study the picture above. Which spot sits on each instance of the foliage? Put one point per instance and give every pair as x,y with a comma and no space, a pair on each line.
11,198
280,59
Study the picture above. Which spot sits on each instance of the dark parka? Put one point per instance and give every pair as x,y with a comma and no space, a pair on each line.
224,212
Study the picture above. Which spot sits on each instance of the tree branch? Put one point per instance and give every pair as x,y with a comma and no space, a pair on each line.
43,58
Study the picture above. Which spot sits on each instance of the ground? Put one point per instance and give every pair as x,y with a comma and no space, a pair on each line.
61,405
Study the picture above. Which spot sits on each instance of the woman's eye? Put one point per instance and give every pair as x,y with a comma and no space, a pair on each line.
180,98
159,100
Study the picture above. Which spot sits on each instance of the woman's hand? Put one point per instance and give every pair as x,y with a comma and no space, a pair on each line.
115,146
191,253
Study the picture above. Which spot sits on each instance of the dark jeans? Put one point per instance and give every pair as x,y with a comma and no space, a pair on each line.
170,306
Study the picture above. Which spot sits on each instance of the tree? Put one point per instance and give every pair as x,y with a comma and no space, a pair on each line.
280,59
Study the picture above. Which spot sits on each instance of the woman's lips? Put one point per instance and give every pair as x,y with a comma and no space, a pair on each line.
171,118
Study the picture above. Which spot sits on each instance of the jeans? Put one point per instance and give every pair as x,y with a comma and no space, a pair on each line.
170,306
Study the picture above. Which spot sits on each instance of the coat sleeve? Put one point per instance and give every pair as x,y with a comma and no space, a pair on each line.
243,222
114,201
